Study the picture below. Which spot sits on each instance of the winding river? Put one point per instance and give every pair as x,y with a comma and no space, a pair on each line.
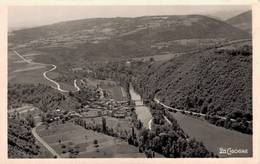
142,111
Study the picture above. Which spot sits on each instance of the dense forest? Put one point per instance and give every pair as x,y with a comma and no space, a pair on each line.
21,142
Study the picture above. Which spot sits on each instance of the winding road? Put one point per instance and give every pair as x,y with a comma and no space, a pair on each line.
34,132
45,144
58,87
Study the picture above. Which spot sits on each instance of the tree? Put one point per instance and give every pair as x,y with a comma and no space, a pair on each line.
96,145
30,120
151,59
95,142
189,102
204,109
104,125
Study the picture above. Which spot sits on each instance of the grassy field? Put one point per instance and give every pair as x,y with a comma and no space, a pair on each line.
31,77
75,137
22,72
66,86
115,91
214,137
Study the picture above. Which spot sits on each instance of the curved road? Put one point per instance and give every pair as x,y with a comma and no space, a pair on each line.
46,145
45,73
201,114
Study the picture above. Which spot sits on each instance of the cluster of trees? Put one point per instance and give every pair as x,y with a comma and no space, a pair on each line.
84,95
237,120
19,94
167,141
135,121
21,142
157,112
245,50
41,96
117,71
103,128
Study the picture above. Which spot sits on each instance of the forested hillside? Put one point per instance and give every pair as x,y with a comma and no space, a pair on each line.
214,82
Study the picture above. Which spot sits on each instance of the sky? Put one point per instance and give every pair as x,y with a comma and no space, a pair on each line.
30,16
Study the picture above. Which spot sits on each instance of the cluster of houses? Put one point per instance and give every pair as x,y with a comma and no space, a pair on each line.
24,111
110,108
103,107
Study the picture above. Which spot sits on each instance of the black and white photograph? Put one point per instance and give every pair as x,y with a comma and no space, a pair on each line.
130,81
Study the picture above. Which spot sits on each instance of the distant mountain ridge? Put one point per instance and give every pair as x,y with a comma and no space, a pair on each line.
122,26
106,38
242,21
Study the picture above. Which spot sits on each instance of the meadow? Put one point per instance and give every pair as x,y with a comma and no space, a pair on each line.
71,140
22,72
115,91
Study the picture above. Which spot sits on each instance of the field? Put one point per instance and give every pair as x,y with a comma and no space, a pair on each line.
214,137
115,91
21,72
75,138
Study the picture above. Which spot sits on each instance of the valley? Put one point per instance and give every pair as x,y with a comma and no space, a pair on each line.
172,86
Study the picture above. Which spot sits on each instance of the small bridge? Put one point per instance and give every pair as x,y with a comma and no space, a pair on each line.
138,103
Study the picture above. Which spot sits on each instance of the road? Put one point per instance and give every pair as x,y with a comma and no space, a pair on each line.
58,87
76,86
150,124
46,145
201,114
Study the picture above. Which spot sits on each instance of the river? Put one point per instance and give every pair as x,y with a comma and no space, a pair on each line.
216,139
142,111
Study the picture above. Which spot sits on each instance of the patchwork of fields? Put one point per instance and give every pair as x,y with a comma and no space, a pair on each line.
71,140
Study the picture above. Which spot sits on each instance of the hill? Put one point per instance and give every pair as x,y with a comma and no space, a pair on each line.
104,38
213,82
242,21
